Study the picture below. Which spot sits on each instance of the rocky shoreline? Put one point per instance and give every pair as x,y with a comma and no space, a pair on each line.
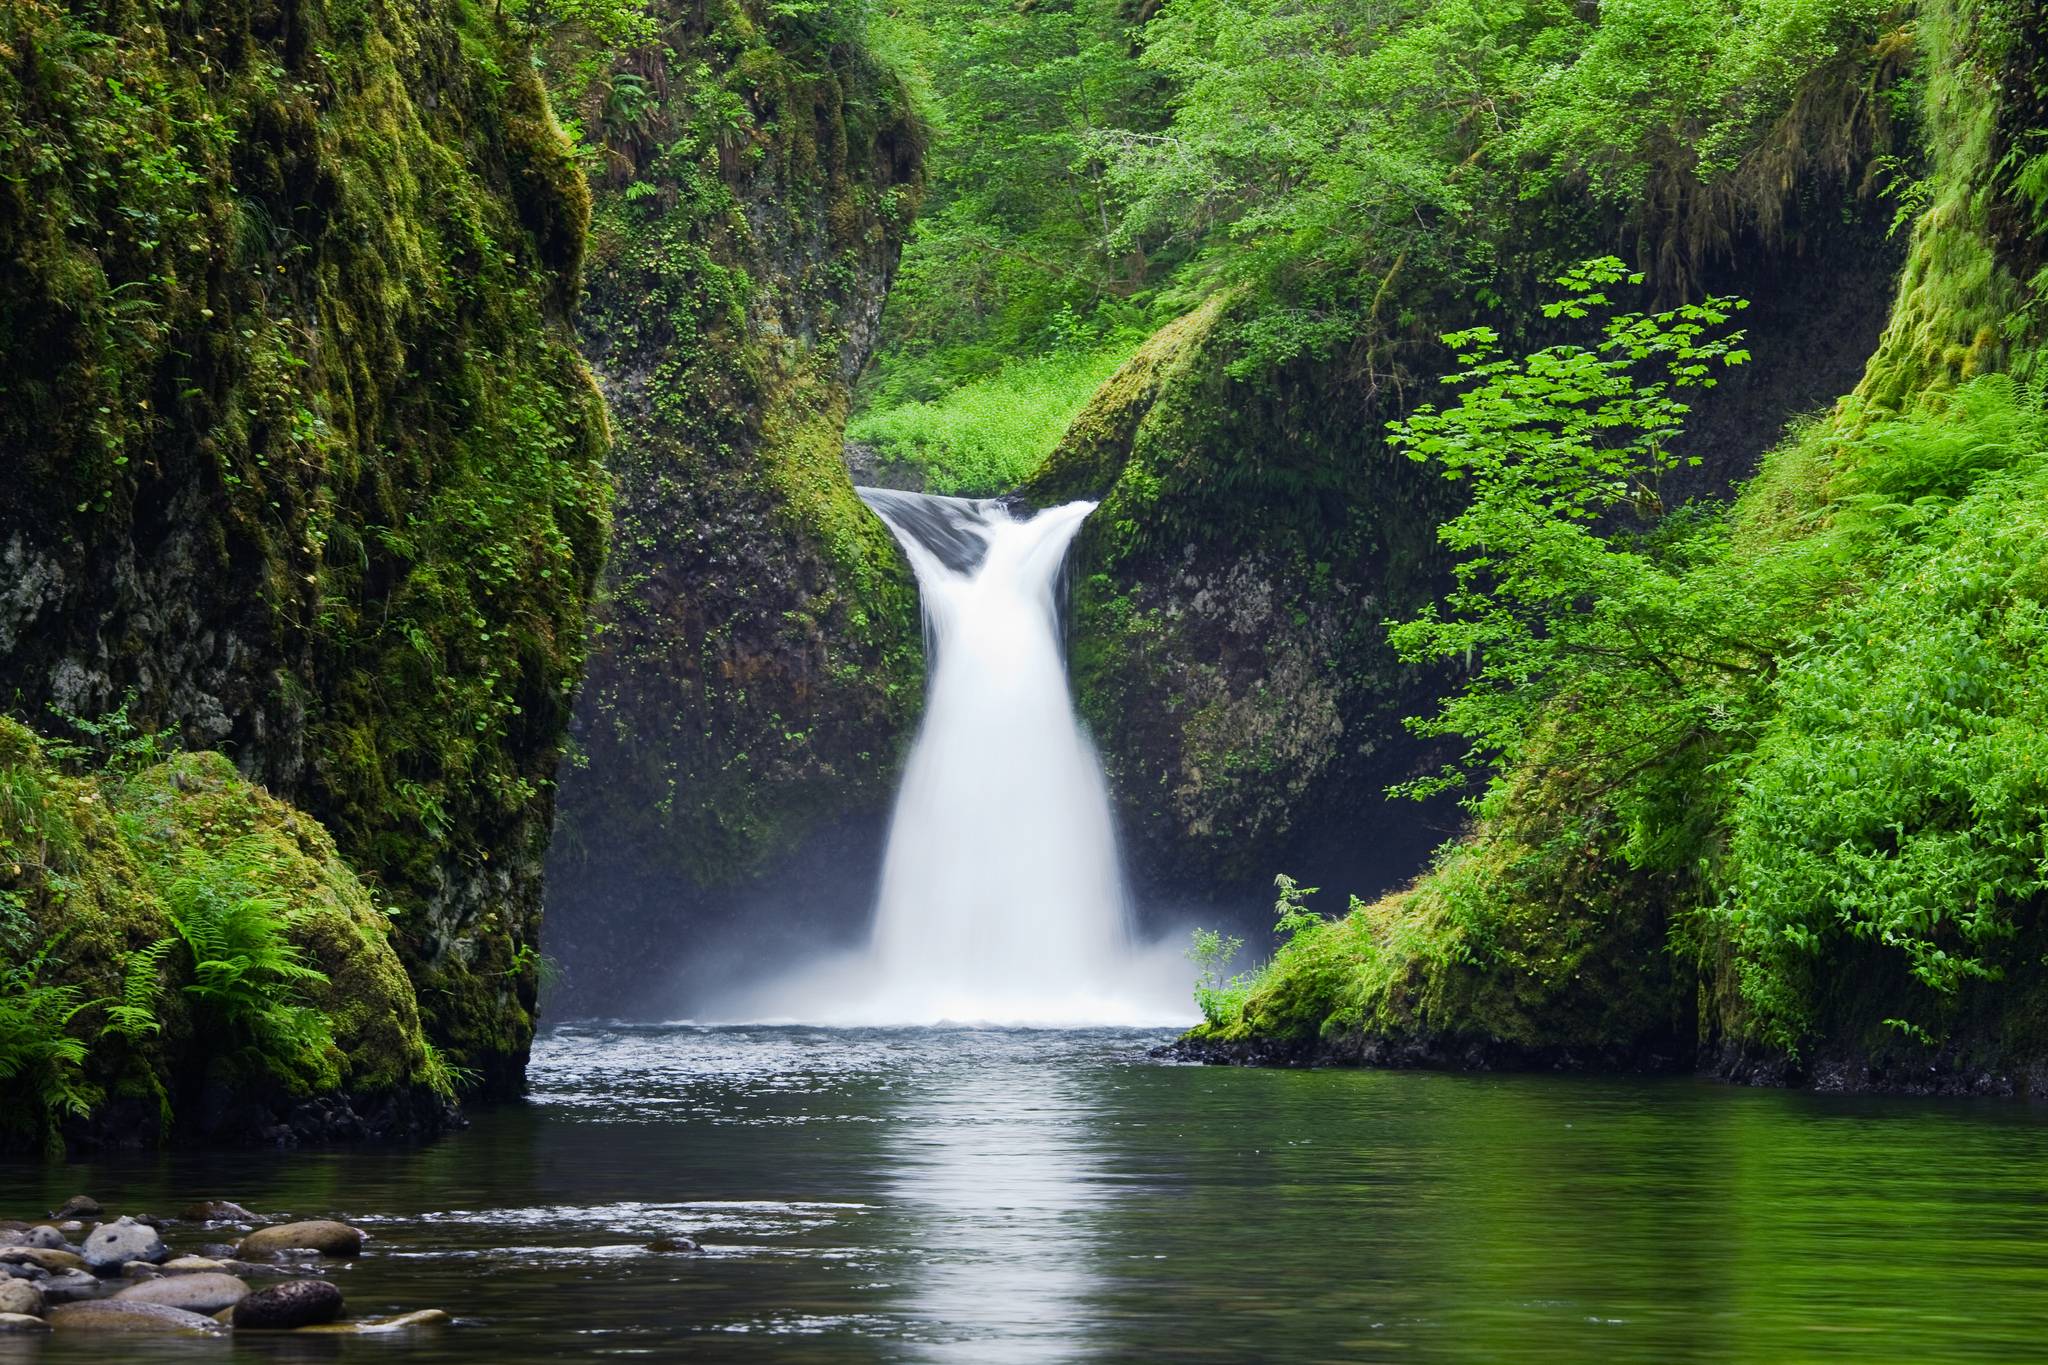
125,1275
1835,1071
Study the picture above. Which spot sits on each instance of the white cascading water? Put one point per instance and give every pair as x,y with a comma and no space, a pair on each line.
1002,898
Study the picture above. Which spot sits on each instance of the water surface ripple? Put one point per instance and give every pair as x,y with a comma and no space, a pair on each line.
987,1195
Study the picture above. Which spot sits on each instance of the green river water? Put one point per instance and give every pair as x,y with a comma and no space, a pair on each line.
1042,1196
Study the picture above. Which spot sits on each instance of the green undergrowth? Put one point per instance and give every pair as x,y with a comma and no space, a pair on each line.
988,435
166,927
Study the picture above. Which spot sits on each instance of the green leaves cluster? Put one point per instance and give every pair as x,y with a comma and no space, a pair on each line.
1832,734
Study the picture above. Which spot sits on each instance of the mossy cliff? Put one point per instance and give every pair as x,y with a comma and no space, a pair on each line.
1256,532
757,656
90,866
1841,885
301,450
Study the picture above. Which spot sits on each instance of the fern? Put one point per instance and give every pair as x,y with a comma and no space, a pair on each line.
133,1015
39,1060
246,976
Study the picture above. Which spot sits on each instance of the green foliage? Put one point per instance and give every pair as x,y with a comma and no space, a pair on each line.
1560,450
1898,797
132,1015
41,1064
1221,998
247,977
987,435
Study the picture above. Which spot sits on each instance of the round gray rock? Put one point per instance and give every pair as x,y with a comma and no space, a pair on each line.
200,1293
294,1303
78,1206
110,1245
22,1322
19,1296
44,1236
115,1315
318,1234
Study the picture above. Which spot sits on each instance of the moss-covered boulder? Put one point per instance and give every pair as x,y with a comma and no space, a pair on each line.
757,657
96,873
301,450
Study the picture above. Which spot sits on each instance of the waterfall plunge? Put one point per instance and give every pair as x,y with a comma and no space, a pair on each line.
1001,898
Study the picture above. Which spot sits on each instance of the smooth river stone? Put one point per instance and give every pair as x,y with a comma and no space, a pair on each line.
44,1236
118,1315
322,1235
294,1303
201,1293
22,1322
111,1245
19,1296
193,1265
78,1206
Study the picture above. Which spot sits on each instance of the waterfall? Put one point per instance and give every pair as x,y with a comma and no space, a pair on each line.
1001,899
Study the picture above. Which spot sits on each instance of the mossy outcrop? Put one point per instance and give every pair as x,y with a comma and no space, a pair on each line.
1256,533
1857,899
302,453
757,657
86,864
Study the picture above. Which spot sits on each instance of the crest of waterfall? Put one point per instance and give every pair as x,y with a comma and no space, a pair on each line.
1002,898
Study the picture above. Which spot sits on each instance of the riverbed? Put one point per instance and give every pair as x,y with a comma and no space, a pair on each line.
987,1195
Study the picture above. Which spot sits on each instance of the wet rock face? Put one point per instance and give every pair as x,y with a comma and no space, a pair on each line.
295,1303
759,653
336,507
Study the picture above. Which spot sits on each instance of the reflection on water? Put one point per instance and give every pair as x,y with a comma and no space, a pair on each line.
999,1148
972,1195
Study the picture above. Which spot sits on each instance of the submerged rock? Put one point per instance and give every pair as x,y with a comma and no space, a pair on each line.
674,1244
295,1303
219,1211
425,1317
22,1322
20,1296
200,1293
325,1236
117,1315
69,1286
110,1245
78,1206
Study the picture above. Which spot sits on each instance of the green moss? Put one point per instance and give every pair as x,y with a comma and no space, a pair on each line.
313,463
758,652
83,860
